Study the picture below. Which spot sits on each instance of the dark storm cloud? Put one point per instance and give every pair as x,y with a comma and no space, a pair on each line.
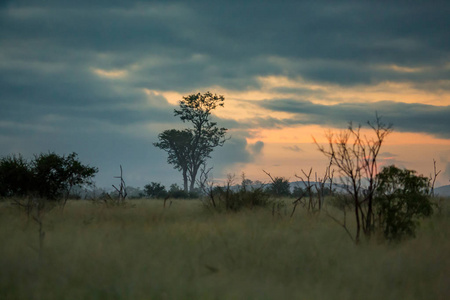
233,151
412,117
322,40
52,95
73,92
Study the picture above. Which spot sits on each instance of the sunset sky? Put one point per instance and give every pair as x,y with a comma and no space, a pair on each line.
101,78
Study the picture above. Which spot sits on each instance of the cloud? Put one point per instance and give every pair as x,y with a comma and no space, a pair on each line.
256,148
89,77
409,117
323,41
294,148
387,155
234,151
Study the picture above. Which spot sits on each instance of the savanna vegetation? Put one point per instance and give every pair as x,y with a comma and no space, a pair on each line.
359,231
145,251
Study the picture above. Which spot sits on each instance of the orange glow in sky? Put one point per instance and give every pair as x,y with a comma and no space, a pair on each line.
287,150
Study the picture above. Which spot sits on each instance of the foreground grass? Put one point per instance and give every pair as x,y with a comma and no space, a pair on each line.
186,252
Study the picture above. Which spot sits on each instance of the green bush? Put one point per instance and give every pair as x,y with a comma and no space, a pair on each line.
177,192
16,176
401,200
48,176
155,190
280,187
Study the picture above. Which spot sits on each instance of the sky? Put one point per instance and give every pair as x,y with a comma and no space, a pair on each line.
102,78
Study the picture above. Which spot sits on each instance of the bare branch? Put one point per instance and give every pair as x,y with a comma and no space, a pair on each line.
342,224
434,177
268,174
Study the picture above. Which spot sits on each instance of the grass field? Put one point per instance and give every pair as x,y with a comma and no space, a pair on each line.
186,252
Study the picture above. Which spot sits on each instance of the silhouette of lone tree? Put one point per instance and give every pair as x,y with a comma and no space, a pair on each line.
177,145
189,149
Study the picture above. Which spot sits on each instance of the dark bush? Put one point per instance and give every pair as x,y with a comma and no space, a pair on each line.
177,192
225,199
48,176
401,200
298,192
155,190
16,176
280,187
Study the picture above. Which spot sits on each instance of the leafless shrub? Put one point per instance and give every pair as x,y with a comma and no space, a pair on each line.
314,191
433,178
122,190
230,197
35,207
355,157
438,201
108,200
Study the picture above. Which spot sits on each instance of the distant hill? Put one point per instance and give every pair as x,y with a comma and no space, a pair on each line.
443,191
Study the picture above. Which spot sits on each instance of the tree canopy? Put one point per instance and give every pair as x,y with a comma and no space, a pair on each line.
401,199
177,144
48,175
189,149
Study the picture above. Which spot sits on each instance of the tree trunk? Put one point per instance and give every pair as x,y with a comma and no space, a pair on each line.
358,226
185,180
193,176
370,218
358,222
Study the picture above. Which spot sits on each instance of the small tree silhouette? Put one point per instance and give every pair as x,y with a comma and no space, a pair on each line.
355,157
189,149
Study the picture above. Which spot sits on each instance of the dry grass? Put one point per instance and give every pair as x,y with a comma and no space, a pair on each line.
186,252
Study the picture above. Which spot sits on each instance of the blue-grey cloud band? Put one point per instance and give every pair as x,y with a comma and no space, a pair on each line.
408,117
72,73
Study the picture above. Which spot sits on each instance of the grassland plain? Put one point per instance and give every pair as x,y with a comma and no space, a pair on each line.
187,252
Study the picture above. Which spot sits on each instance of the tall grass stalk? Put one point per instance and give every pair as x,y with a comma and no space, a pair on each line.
186,252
